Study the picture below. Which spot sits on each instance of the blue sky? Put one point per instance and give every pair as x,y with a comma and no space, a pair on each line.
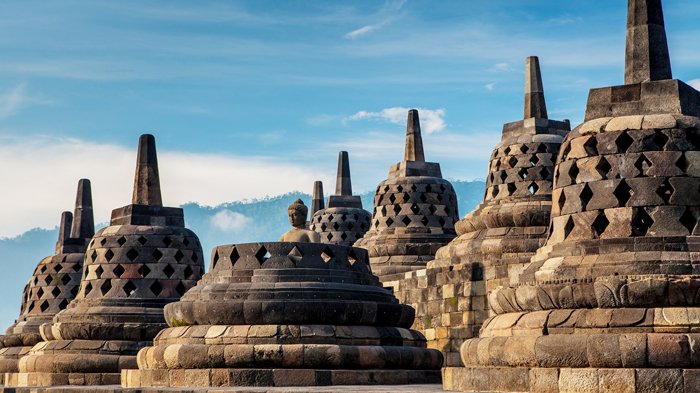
255,98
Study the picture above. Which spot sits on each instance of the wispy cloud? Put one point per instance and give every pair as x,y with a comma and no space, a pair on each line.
432,120
695,83
15,99
502,67
388,13
230,221
364,30
490,86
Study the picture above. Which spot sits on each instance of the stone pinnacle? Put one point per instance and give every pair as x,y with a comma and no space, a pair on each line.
317,198
343,185
414,140
147,181
646,54
83,223
534,92
64,228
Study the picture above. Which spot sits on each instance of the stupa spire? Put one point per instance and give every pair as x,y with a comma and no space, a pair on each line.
147,181
343,184
64,228
83,221
535,105
414,140
317,198
646,54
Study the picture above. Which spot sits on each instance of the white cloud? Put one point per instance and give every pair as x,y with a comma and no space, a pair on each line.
695,83
432,120
229,221
390,8
40,175
490,86
12,101
503,67
364,30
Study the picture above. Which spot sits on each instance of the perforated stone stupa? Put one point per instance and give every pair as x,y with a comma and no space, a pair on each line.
344,221
286,314
144,260
610,302
415,211
54,283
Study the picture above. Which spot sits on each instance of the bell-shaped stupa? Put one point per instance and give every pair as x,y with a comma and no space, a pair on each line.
144,260
415,211
54,284
344,221
610,301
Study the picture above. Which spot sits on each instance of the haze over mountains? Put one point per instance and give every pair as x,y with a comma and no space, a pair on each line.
235,222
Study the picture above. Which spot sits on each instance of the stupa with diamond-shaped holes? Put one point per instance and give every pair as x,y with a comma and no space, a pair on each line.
53,285
610,301
415,211
286,314
144,260
344,221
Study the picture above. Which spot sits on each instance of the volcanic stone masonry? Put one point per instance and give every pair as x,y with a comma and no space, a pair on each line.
415,211
286,314
610,302
144,260
344,221
495,240
54,283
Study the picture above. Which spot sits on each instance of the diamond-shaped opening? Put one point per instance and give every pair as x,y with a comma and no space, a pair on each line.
215,259
56,291
432,209
329,236
103,241
65,279
494,191
586,195
441,221
573,172
156,288
600,224
665,191
591,146
57,267
682,163
195,258
262,255
534,160
544,173
63,304
511,188
565,153
327,255
324,227
397,209
43,269
623,192
48,280
336,226
623,142
415,209
344,236
99,271
118,271
44,306
423,198
168,271
185,242
406,197
522,173
167,241
641,222
413,187
132,254
234,257
180,288
506,151
562,200
157,254
109,255
129,288
392,198
688,220
142,240
121,241
693,136
659,140
74,291
40,293
524,148
351,225
31,307
389,221
179,255
603,167
512,161
143,271
330,217
428,188
106,286
406,220
77,267
36,280
188,272
541,148
568,227
642,164
533,188
424,221
503,176
88,288
93,256
399,188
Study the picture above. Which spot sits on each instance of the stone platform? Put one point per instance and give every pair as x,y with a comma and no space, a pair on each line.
425,388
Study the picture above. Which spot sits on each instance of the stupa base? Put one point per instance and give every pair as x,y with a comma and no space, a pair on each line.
273,377
561,380
37,379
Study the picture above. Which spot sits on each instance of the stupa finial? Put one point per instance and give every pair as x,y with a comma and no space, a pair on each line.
535,105
147,181
317,198
343,184
64,228
83,220
414,140
646,54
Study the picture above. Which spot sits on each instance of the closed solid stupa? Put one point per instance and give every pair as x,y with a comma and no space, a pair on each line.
344,221
54,284
610,301
415,211
144,260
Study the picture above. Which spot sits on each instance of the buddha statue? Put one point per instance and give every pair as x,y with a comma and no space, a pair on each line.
297,217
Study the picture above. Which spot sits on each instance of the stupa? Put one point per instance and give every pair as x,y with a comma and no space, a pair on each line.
610,301
144,260
498,237
286,313
53,285
317,202
344,221
415,211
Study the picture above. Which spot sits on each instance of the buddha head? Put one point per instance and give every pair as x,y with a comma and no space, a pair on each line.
297,214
